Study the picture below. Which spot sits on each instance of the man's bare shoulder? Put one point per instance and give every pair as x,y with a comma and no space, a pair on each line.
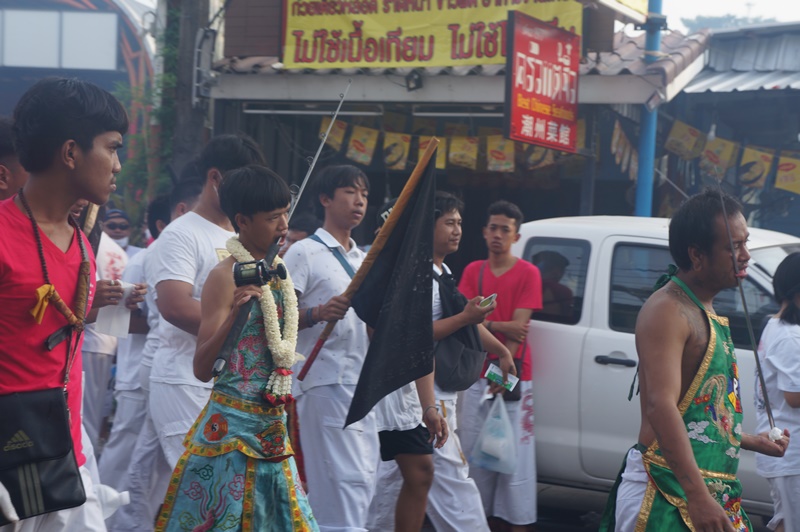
668,310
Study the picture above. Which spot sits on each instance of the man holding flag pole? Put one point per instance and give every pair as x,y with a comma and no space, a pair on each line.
339,464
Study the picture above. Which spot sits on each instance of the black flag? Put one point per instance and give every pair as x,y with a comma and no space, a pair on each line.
395,300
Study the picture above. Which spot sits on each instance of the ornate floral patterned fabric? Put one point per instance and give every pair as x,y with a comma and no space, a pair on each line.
238,472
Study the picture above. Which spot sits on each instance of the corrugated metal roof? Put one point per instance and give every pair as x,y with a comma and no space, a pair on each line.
762,57
757,53
677,53
731,81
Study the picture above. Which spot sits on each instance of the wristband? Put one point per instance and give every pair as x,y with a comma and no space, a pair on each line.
310,317
428,408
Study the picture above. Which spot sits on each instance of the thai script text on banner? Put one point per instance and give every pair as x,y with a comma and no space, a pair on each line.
409,33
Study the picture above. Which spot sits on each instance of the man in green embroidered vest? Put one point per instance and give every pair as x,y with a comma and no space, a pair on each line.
682,472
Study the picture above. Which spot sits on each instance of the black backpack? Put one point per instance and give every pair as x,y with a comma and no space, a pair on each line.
460,356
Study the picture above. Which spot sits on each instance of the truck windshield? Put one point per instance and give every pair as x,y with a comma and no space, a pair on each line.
768,259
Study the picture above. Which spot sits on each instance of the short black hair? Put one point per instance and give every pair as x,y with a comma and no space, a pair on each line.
786,285
337,176
508,209
185,191
228,152
158,209
692,225
444,202
191,170
6,142
251,190
305,222
55,110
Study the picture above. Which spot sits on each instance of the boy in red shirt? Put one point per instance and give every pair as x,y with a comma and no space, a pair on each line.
518,285
67,133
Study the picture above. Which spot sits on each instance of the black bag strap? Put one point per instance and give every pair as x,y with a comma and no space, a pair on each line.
338,254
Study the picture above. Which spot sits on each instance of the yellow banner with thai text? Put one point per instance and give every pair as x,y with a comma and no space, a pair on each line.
409,33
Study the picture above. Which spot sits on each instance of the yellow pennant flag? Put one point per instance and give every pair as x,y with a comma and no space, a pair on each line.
362,144
718,155
336,137
499,154
788,176
684,140
464,152
395,150
755,166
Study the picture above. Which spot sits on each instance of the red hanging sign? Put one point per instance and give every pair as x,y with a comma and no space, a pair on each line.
541,83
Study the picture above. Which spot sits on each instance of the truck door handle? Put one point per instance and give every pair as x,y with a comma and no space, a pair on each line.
606,360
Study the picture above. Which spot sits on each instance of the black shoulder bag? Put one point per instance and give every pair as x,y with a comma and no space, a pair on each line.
37,459
460,356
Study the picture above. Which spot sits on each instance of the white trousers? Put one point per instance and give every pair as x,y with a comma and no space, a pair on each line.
174,409
340,463
85,518
96,394
509,497
147,478
454,502
785,492
630,493
128,421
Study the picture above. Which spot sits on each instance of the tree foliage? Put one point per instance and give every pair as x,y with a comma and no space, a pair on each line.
721,22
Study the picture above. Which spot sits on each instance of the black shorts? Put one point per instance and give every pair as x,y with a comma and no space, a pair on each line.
412,441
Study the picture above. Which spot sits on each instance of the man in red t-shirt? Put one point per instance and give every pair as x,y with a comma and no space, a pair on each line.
518,286
67,133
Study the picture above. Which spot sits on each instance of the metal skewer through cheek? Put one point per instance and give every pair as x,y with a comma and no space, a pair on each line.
747,320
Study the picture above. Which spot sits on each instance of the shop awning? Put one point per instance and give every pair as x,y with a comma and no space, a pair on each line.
619,77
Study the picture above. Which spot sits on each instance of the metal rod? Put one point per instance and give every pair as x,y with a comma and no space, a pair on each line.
747,319
342,96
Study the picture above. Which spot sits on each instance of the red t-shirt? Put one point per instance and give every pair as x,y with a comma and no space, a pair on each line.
25,362
519,287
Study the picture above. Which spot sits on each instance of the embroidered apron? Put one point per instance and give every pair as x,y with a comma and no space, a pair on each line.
712,412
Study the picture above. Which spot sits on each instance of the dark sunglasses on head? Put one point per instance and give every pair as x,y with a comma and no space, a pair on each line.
114,226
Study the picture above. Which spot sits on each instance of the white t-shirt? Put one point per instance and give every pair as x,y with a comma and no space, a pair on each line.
441,395
153,339
132,251
400,410
187,251
111,263
129,350
779,352
318,276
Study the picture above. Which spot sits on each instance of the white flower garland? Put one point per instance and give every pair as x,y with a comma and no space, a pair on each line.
279,386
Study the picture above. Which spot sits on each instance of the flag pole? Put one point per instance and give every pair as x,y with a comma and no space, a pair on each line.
377,246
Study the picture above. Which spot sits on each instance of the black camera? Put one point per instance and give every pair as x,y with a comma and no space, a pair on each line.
256,272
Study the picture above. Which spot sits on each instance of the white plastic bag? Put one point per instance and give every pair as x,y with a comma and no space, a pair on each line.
495,448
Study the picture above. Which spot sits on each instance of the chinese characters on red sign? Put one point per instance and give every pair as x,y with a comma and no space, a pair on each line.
542,83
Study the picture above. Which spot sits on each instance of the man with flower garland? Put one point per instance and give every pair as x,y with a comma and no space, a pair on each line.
340,463
187,251
238,453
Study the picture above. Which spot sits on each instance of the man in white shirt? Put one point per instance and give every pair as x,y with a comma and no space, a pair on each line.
339,462
454,502
187,251
147,472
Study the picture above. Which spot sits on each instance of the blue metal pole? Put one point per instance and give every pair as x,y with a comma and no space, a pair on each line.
647,137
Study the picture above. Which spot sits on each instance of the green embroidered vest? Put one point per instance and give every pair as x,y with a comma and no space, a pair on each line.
712,412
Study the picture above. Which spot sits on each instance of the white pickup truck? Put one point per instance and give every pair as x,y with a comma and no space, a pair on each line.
597,272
